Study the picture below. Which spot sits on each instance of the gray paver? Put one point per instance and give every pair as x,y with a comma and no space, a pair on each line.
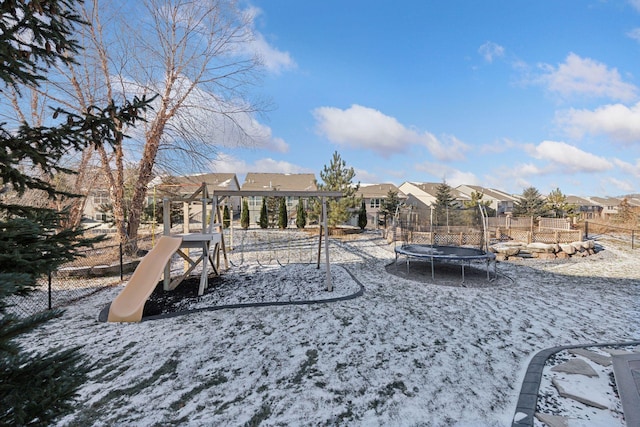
553,420
616,352
626,369
565,393
593,356
577,367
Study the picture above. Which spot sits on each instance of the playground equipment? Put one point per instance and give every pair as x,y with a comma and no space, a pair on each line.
461,236
129,304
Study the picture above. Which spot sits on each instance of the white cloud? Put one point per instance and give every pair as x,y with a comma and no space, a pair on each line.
628,168
365,176
367,128
490,51
586,77
635,4
616,121
499,146
569,158
622,186
452,176
450,149
634,34
229,164
273,59
363,127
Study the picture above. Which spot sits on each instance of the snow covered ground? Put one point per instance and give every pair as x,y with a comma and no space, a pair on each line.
407,352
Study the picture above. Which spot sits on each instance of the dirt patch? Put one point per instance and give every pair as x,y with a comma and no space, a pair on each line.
163,302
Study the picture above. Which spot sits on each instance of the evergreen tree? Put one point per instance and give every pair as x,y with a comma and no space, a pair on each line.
472,214
263,222
244,215
283,220
301,215
362,215
531,203
36,388
557,204
337,177
226,217
389,205
273,207
445,202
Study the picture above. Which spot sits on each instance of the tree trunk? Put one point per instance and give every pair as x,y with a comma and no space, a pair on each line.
145,173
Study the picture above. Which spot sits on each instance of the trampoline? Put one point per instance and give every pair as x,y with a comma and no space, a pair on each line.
458,236
447,254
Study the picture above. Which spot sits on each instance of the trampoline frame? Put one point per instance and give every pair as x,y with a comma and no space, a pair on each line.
448,253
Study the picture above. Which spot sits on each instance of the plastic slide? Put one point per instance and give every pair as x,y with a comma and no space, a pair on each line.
128,305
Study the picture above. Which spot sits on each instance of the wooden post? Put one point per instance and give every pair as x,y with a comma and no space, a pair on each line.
319,245
185,230
326,245
166,222
231,226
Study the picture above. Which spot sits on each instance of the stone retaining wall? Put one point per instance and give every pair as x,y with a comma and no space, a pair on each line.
507,250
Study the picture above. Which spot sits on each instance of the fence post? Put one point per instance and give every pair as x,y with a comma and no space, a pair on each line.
586,230
633,235
49,280
121,264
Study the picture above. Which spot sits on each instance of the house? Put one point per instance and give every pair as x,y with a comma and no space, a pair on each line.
95,211
374,196
424,195
585,208
276,182
609,205
501,202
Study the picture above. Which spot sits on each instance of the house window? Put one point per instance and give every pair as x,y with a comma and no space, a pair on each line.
290,201
101,217
255,201
101,198
374,203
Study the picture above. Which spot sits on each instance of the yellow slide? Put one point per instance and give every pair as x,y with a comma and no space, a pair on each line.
128,305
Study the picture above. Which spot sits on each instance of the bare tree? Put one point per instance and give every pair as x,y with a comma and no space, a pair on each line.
194,57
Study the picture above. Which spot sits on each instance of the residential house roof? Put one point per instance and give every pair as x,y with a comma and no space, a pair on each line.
489,193
580,201
378,191
431,188
605,201
188,184
279,181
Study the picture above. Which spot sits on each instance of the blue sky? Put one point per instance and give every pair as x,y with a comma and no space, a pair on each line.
502,94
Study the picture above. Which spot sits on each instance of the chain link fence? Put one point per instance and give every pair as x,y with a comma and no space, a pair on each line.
94,270
594,229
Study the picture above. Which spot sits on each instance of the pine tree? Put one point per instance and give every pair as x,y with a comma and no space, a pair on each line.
557,203
445,202
273,207
244,215
362,215
472,214
301,215
337,177
226,217
283,220
36,388
263,222
531,203
389,205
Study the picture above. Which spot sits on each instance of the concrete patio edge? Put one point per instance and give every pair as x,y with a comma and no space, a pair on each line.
528,398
